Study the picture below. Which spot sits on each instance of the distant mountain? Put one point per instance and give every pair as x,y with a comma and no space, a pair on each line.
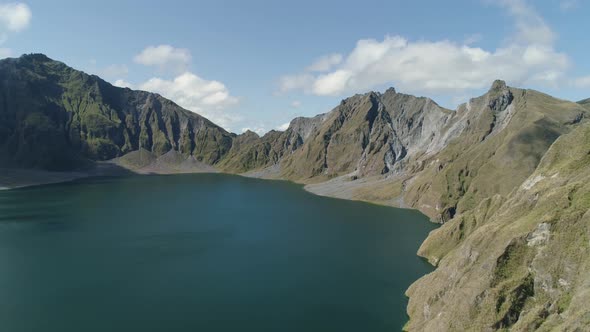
506,174
55,117
370,134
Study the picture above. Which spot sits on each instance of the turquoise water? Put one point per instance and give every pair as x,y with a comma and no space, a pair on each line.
202,252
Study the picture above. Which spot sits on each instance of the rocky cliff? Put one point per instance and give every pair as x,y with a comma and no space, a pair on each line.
517,261
506,174
55,117
493,268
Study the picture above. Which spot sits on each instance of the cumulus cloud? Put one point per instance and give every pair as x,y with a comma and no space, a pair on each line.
296,82
165,57
208,98
284,126
444,66
14,17
325,63
123,84
113,71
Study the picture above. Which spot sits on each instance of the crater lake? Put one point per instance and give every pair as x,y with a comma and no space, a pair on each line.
202,252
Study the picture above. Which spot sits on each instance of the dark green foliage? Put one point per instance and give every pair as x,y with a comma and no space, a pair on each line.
517,300
515,259
55,117
250,152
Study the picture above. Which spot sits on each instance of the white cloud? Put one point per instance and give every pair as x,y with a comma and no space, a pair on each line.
165,57
566,5
113,71
210,99
443,66
296,82
325,63
207,98
305,80
296,104
123,84
284,126
14,16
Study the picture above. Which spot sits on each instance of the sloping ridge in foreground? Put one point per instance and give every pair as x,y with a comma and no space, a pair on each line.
506,174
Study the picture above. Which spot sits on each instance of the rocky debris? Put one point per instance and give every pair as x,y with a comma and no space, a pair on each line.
531,182
539,236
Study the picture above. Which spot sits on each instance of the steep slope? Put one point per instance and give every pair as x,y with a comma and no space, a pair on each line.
55,117
368,134
250,152
526,264
506,174
506,133
488,146
492,152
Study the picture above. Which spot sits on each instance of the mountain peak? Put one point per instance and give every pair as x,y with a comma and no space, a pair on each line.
498,85
249,132
38,57
500,96
390,90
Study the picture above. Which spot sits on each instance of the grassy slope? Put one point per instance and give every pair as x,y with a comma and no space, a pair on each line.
477,176
480,164
250,152
492,273
55,117
489,274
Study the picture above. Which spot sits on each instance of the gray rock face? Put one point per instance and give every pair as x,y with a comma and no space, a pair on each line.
301,127
369,134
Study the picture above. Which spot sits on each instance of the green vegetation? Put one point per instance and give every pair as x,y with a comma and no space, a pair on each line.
54,117
515,303
531,268
507,174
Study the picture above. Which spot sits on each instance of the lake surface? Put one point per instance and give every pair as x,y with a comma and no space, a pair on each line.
202,252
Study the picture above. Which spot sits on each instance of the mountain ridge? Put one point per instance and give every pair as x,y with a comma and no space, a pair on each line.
86,118
487,172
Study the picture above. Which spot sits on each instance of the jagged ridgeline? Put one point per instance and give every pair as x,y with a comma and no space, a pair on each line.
55,117
507,173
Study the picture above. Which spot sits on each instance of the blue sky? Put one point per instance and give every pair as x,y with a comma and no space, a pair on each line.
258,64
